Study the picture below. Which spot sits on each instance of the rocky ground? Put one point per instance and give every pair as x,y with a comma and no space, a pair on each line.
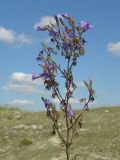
27,136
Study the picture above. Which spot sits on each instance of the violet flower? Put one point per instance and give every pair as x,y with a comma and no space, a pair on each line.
40,56
35,76
85,25
47,102
70,112
51,66
68,34
66,45
45,75
52,33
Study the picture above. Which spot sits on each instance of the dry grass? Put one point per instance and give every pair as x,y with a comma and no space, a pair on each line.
27,136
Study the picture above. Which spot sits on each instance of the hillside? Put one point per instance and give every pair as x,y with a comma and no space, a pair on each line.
27,136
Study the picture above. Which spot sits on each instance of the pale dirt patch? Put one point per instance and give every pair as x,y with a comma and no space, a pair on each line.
54,158
96,156
83,129
62,157
40,146
106,111
23,126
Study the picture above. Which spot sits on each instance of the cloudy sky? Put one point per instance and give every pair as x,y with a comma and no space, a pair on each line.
20,44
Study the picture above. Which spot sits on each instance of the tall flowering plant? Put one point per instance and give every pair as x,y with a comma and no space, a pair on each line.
67,40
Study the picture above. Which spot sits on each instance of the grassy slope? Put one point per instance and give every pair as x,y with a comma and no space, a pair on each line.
27,136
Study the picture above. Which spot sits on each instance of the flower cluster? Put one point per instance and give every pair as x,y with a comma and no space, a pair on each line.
69,38
49,69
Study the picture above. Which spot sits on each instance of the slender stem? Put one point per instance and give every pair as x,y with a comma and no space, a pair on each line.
67,152
61,71
54,88
63,140
57,89
73,131
67,123
86,104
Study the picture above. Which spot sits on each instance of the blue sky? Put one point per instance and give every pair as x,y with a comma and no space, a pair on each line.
20,44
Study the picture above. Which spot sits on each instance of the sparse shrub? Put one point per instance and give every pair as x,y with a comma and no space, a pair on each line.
67,41
25,142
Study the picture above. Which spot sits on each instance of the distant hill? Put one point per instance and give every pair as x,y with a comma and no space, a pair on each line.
27,136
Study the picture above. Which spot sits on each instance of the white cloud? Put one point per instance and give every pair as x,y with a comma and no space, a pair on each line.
114,48
23,39
6,36
22,102
74,101
10,87
10,37
46,20
21,77
22,82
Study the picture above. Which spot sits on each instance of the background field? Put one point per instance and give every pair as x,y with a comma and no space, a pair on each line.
27,136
